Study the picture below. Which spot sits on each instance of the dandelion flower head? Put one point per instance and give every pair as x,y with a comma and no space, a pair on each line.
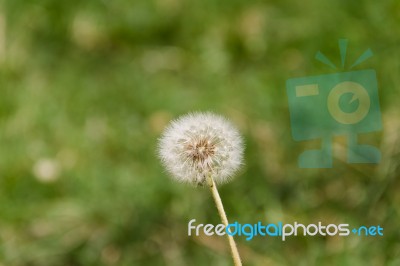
201,144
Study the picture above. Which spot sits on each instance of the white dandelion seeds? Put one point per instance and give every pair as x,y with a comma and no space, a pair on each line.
201,144
201,148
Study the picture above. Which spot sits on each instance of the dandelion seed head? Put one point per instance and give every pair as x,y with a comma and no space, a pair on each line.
200,144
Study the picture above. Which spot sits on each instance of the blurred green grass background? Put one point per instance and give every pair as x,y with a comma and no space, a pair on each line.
86,88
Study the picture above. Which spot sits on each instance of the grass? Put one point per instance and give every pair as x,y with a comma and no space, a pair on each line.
87,88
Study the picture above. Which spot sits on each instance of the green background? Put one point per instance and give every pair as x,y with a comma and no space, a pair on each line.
86,88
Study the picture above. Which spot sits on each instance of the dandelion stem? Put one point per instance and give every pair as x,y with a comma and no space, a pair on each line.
222,214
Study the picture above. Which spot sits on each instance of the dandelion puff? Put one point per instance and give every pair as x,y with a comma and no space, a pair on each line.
200,144
203,148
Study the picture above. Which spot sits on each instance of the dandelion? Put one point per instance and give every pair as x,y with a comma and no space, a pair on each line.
203,149
201,144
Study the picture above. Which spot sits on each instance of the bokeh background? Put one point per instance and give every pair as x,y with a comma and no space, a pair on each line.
86,88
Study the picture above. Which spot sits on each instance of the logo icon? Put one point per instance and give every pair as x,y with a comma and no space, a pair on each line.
338,104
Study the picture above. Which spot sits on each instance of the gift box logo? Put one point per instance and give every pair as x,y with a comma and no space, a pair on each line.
339,104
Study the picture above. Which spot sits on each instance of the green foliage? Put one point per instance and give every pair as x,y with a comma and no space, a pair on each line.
86,88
